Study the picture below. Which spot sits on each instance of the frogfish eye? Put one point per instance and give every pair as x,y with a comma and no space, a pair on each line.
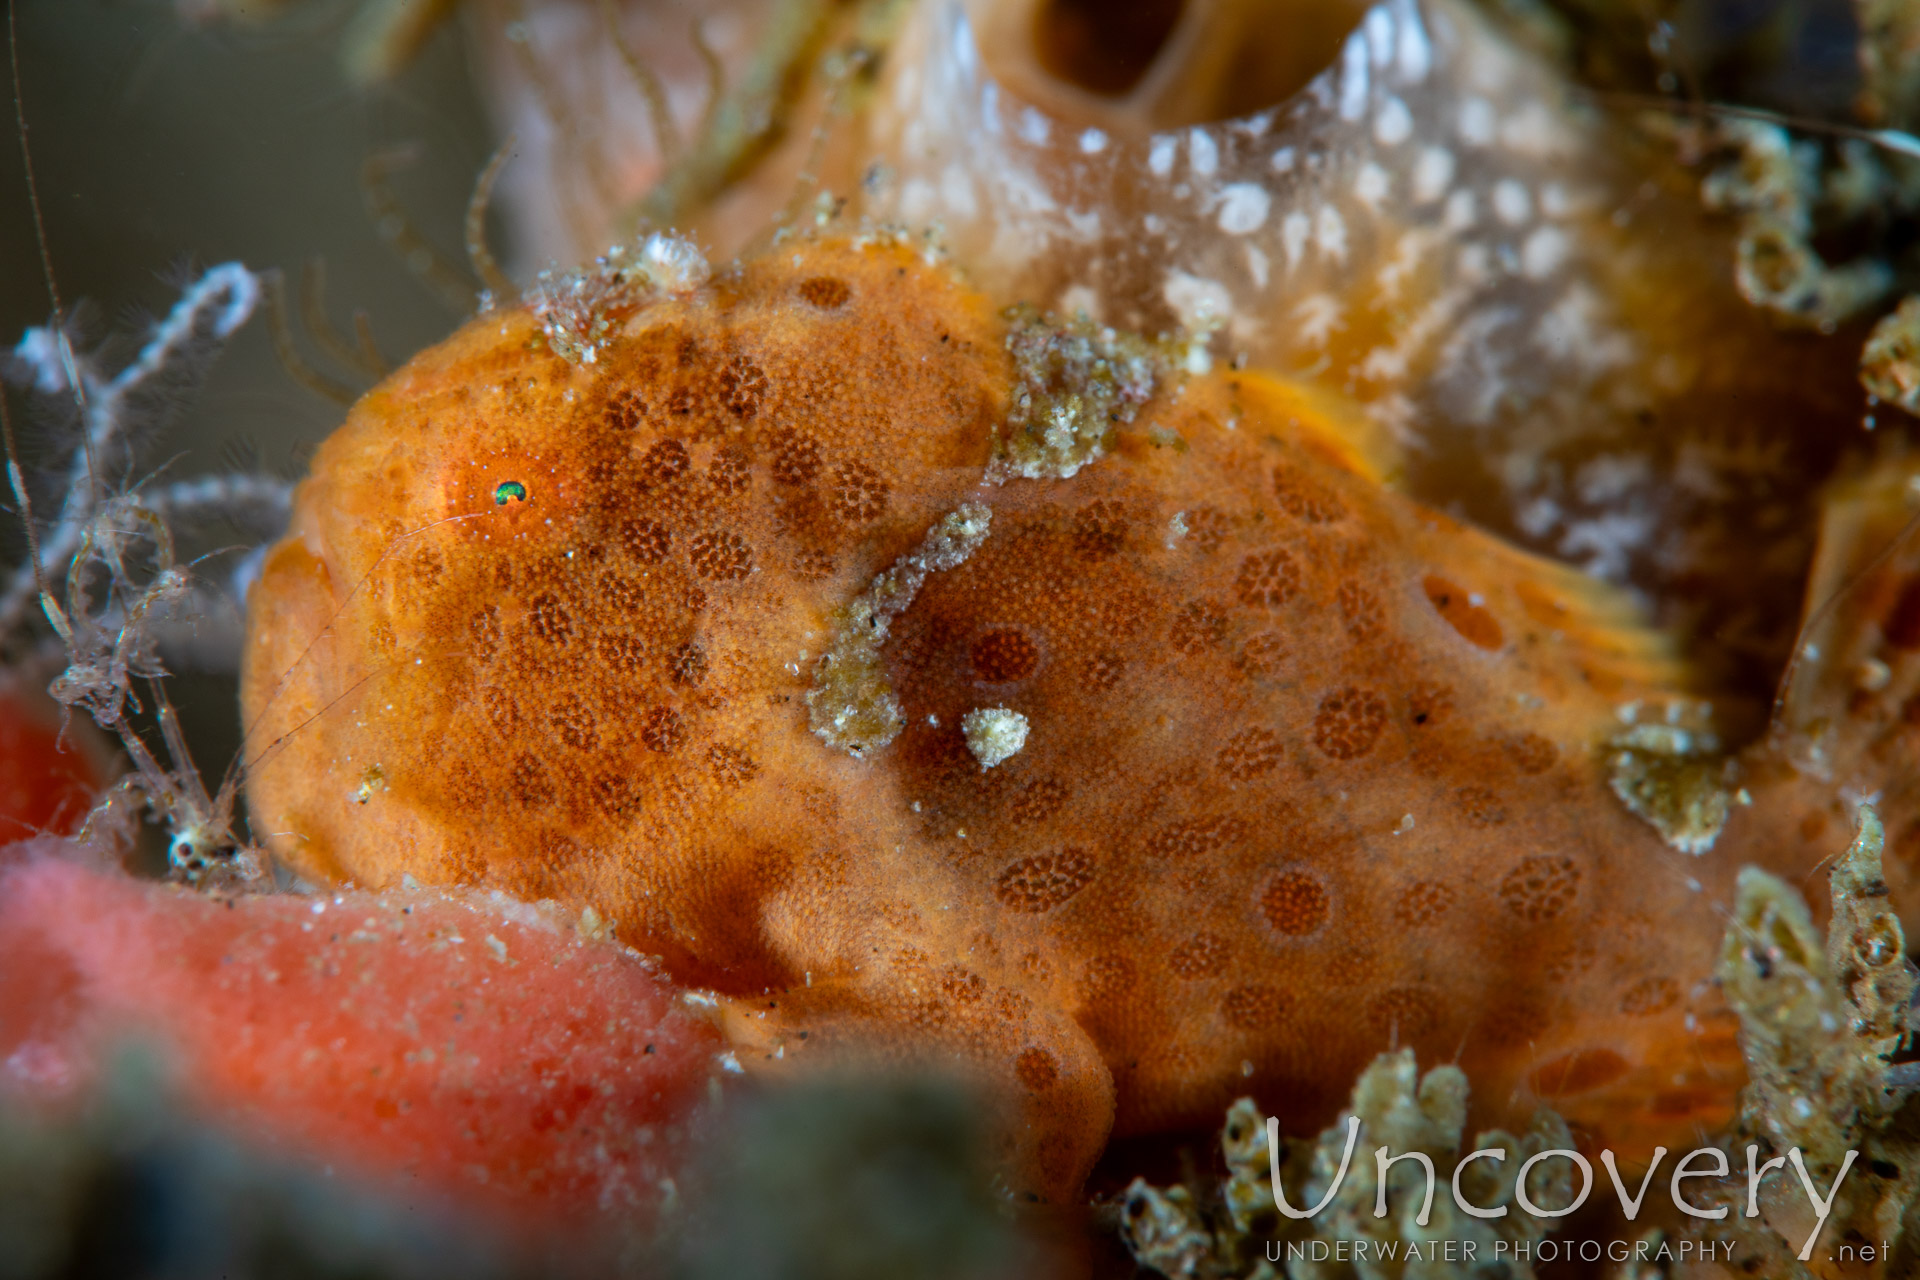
509,491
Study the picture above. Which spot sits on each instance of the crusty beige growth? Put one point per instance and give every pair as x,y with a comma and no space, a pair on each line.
852,705
994,734
1675,776
1890,362
1215,1232
1819,1024
1076,382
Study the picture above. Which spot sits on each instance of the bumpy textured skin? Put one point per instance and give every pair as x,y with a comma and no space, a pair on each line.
1318,776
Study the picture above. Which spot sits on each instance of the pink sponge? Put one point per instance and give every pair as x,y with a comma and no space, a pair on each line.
473,1044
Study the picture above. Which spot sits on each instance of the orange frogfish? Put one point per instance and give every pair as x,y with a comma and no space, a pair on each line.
940,686
1119,724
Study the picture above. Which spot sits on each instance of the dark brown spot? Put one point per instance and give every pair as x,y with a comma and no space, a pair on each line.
1256,1007
743,387
796,457
1295,903
551,620
731,766
1104,670
1250,753
1541,887
1405,1012
1199,625
1003,656
1039,884
503,710
728,472
1360,610
1423,902
617,795
1349,722
647,541
665,462
825,292
858,494
625,410
687,665
1038,800
1100,528
1650,996
1201,956
1268,578
484,626
574,722
528,782
720,554
1304,497
661,730
1194,837
1481,807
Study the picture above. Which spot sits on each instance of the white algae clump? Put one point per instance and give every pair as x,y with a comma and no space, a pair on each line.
1674,776
578,308
994,734
1890,364
1075,383
1819,1025
1773,185
1170,1232
852,704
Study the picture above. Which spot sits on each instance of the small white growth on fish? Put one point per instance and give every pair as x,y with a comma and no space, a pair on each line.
573,306
852,705
1176,529
994,734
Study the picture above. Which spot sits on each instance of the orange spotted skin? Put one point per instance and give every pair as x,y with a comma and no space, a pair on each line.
1312,770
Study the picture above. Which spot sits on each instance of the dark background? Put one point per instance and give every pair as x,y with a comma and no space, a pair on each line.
162,147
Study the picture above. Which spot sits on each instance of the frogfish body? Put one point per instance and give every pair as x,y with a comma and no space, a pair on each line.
719,608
